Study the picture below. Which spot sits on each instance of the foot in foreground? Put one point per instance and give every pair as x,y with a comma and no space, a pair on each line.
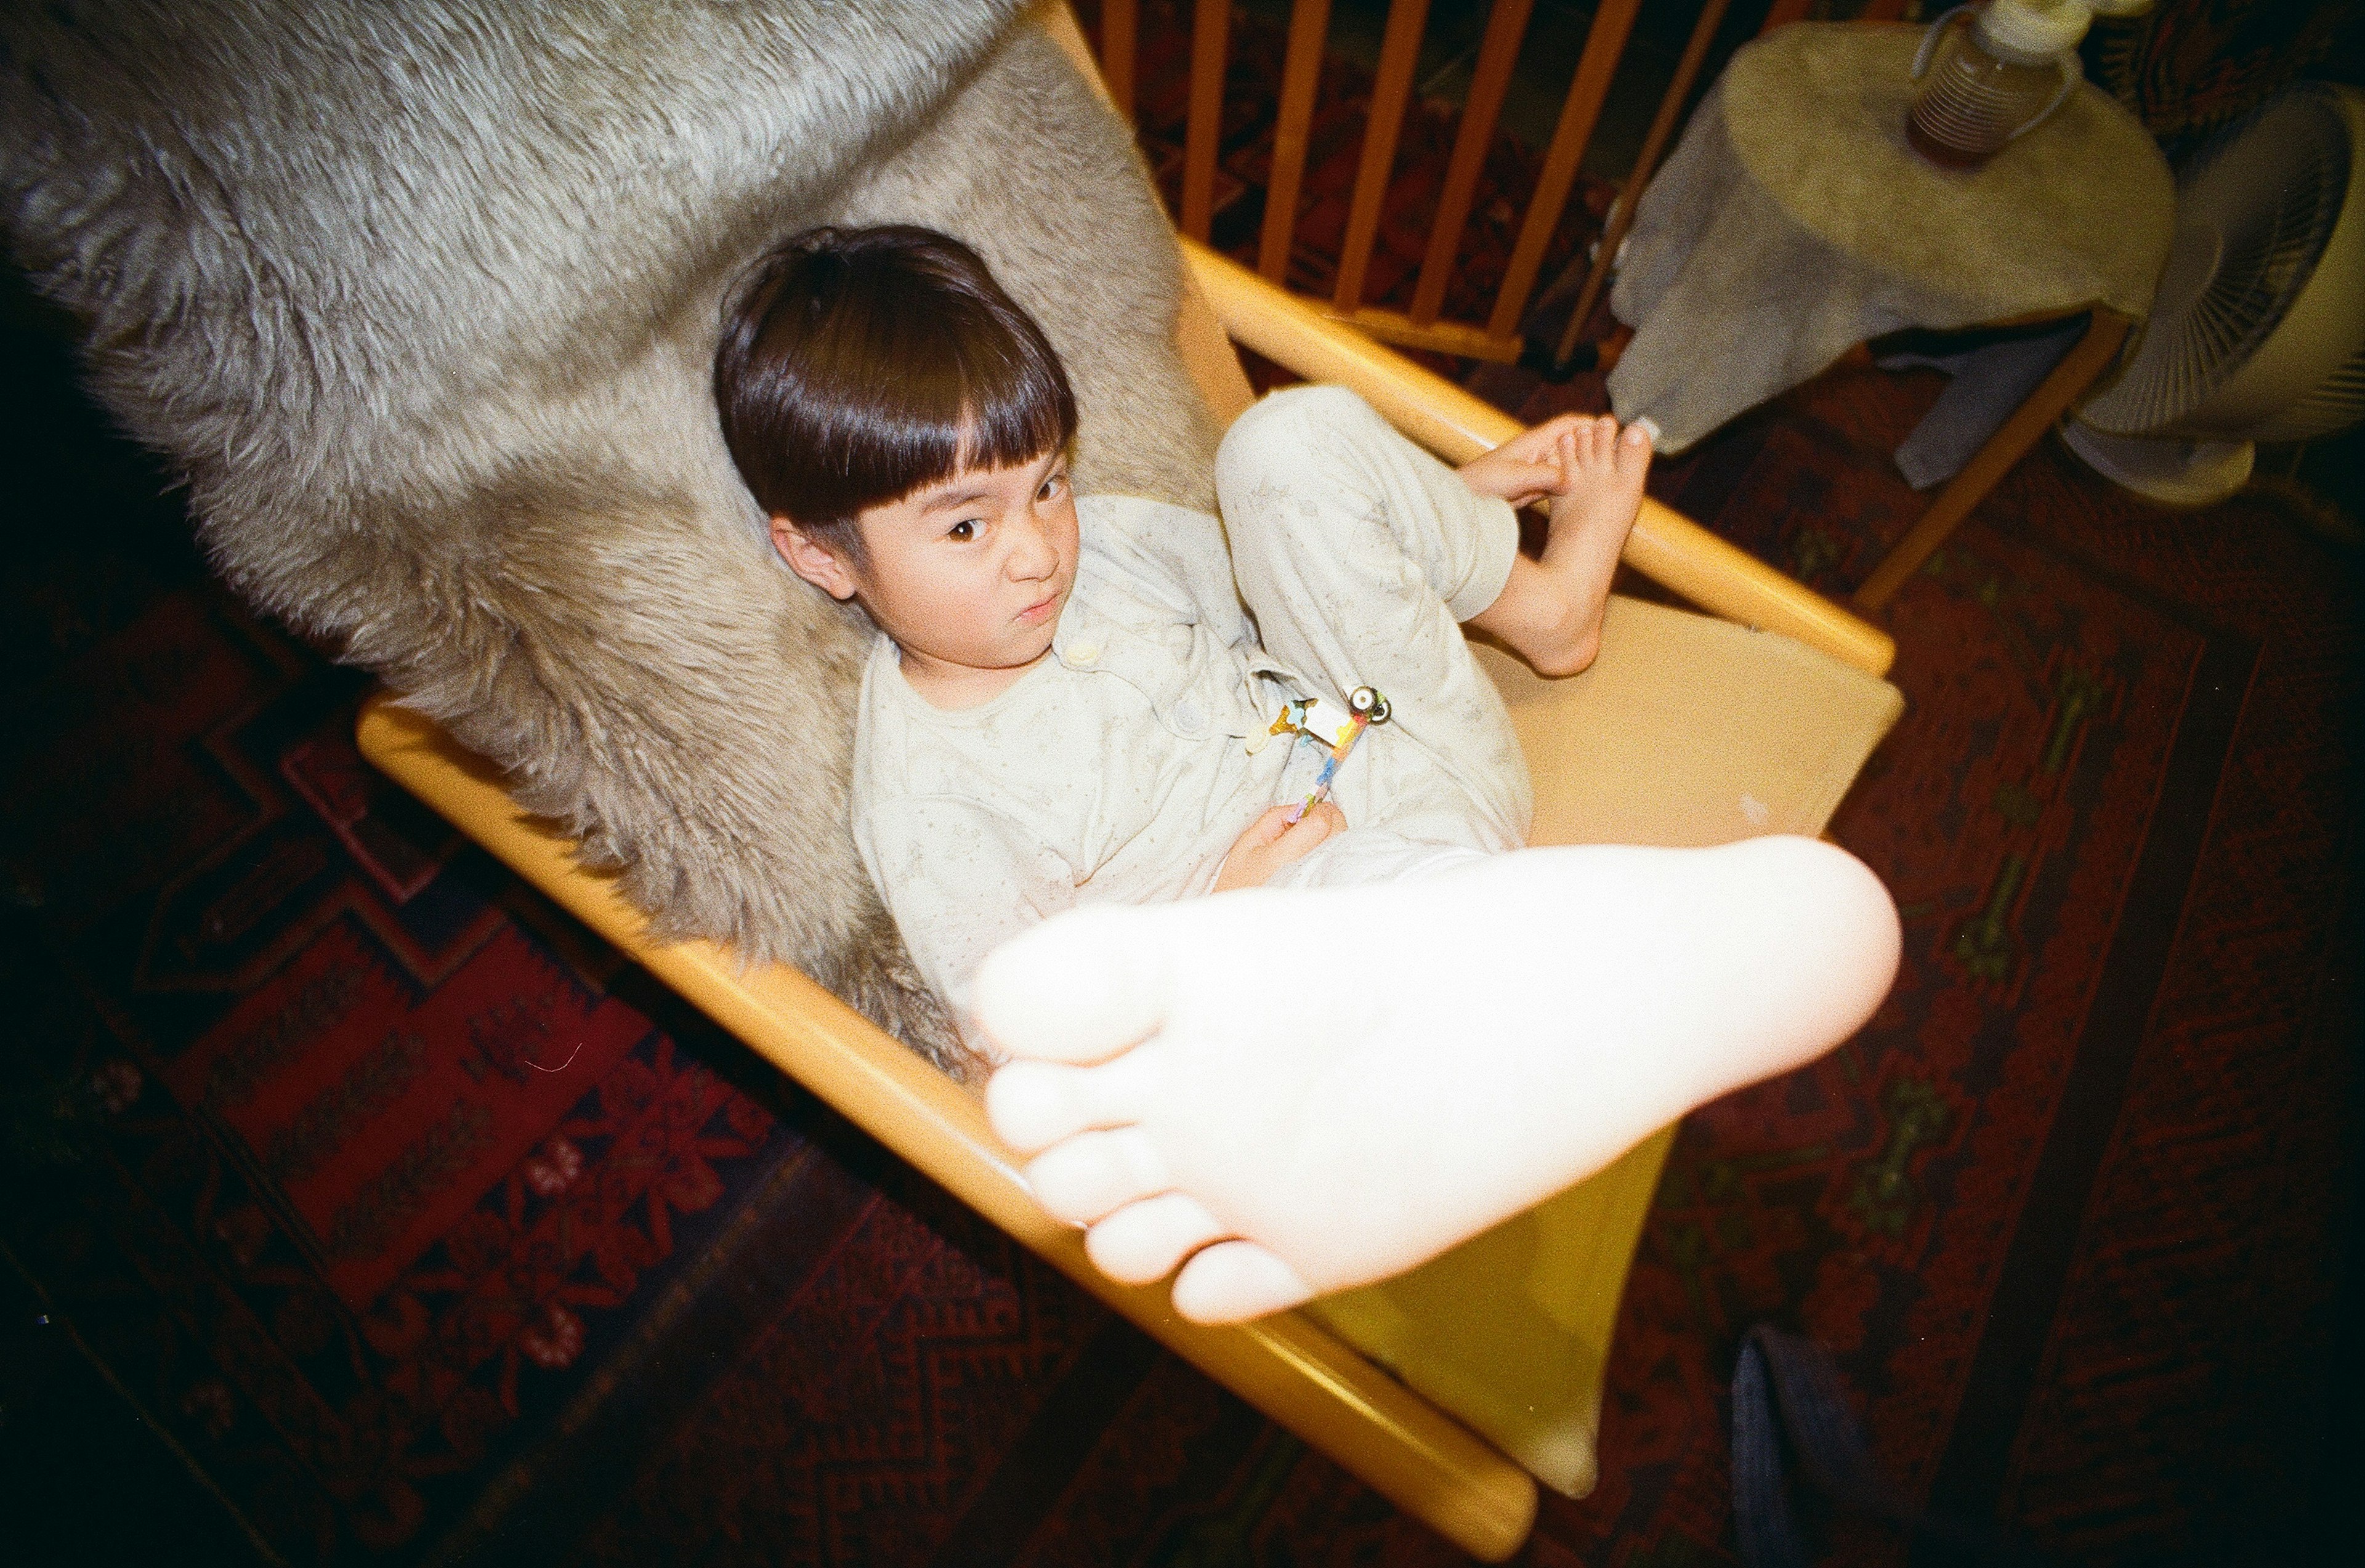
1290,1092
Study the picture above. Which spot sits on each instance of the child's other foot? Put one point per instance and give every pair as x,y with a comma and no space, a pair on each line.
1590,520
1291,1092
1550,612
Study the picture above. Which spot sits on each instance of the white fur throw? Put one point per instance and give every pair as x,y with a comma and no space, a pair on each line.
422,299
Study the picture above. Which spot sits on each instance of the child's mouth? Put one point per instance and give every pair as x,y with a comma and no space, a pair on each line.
1035,614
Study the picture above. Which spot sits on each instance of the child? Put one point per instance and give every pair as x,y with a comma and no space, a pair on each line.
1060,712
1064,711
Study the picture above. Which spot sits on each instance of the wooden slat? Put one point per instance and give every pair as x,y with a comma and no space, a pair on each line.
1210,25
1301,72
1497,53
1391,91
1439,337
1605,45
1784,12
1120,47
1646,162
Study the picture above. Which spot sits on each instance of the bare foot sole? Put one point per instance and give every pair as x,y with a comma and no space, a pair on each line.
1291,1093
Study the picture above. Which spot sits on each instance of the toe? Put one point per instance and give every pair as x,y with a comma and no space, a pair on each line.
1079,988
1142,1242
1034,1104
1235,1281
1091,1175
1635,446
1605,438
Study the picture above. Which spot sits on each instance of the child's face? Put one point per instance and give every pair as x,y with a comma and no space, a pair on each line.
969,576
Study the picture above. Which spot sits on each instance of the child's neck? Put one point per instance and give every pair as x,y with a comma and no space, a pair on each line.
955,687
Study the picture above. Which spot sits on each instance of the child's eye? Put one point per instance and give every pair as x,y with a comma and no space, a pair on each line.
963,531
1050,487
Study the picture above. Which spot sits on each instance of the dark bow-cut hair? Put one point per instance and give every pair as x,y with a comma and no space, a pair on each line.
859,365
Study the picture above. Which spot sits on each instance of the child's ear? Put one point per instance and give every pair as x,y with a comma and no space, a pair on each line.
811,560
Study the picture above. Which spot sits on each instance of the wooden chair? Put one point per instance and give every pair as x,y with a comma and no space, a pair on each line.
1450,1390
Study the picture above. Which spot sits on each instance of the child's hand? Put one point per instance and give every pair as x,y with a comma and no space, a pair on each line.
1273,841
1527,468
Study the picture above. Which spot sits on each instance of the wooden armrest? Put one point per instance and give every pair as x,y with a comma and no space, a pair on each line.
1286,1364
1666,546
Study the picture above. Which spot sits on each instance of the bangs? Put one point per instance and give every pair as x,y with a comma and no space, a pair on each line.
869,363
926,396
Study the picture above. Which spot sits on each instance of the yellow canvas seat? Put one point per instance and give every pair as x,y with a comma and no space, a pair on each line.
1452,1389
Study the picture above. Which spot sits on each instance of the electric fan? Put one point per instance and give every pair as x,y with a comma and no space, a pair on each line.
2258,332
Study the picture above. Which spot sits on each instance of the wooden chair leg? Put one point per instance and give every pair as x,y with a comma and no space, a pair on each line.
2104,331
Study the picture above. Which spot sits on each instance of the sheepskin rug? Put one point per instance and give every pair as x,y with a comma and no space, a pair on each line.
422,299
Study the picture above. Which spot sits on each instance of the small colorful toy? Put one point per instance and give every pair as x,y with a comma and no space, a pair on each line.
1366,707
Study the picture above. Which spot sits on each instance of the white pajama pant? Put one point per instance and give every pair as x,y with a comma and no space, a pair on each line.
1360,555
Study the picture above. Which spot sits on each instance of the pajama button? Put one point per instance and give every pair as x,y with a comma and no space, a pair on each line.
1186,713
1083,653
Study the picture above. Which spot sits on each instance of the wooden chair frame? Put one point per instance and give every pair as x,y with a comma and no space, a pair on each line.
1288,1365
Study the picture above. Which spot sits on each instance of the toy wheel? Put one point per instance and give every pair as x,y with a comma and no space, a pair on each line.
1380,711
1363,700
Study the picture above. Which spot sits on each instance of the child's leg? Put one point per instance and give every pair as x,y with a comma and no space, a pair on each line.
1518,1025
1361,556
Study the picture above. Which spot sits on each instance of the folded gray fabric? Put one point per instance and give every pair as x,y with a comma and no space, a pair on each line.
1986,384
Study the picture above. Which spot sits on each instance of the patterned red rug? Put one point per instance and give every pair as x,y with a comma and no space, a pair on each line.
365,1210
425,1233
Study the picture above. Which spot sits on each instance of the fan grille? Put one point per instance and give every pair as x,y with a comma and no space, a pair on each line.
2257,207
2334,403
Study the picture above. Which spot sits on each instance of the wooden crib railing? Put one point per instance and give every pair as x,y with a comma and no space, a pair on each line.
1423,325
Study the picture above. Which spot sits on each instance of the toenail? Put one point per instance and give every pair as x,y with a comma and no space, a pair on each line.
1648,426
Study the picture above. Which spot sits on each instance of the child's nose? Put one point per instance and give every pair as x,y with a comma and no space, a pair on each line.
1034,555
